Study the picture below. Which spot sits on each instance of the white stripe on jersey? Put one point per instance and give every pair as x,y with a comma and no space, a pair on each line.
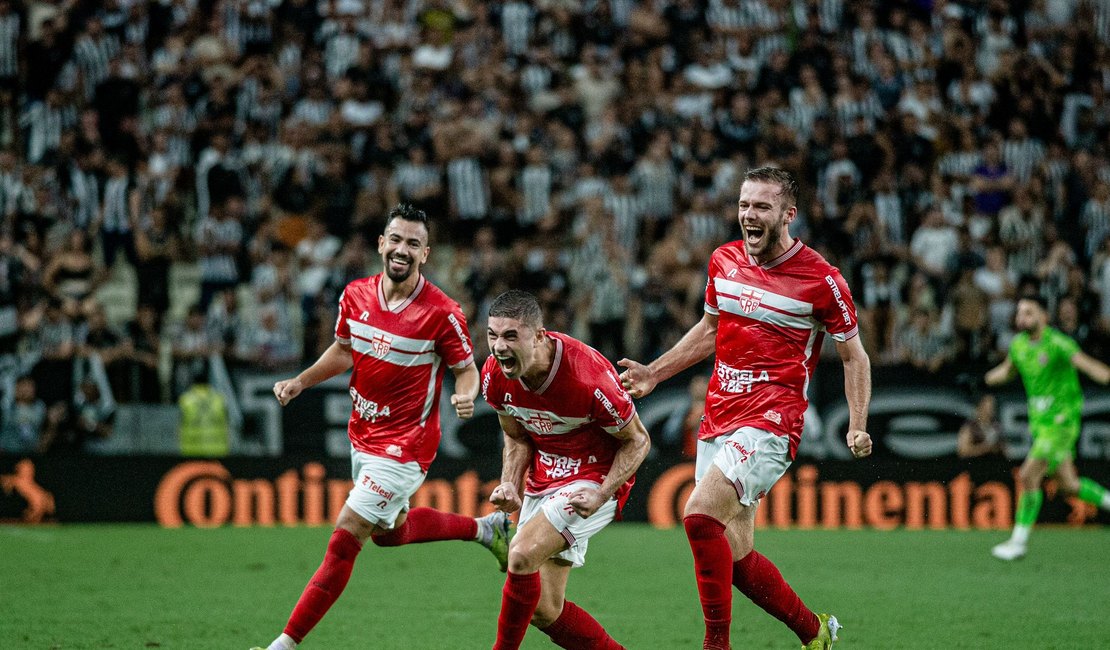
383,350
774,300
543,423
763,314
430,396
402,343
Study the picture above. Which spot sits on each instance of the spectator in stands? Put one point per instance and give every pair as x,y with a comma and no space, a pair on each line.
143,344
981,435
26,422
192,343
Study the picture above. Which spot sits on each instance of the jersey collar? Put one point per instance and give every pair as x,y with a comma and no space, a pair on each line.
408,301
790,252
555,363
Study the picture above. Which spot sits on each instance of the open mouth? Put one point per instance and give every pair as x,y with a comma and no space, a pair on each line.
753,235
508,364
399,264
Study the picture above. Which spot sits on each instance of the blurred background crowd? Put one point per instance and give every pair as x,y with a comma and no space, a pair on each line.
187,185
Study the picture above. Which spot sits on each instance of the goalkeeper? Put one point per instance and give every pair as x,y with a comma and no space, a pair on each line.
1048,361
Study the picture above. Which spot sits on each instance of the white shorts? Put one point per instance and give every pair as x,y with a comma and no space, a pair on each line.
382,487
753,459
574,529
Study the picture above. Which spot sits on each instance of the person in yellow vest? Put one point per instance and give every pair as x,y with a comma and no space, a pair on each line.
203,424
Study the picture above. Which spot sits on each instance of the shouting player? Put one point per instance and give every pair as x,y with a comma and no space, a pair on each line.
1047,360
399,332
769,302
568,420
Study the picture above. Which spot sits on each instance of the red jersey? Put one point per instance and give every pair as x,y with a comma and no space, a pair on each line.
772,320
400,356
569,419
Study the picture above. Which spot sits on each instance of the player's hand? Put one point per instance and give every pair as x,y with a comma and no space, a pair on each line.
287,389
505,498
464,405
638,380
586,501
859,442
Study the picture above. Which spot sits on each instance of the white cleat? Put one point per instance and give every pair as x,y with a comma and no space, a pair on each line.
1009,550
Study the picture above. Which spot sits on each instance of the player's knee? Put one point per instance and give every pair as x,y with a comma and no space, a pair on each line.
521,561
1069,487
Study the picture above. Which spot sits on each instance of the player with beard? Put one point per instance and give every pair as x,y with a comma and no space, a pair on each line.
399,333
573,428
769,303
1047,360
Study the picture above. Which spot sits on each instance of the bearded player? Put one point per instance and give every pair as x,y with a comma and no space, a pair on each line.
1048,361
399,333
570,425
769,303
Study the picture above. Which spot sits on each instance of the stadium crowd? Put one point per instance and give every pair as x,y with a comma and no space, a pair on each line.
954,155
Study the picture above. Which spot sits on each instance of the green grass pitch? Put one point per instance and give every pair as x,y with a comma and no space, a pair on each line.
118,586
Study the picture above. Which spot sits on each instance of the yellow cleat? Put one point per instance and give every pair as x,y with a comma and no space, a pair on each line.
826,636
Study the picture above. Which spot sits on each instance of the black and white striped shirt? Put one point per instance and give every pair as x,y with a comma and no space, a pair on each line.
219,265
10,30
412,180
43,125
469,190
516,26
1023,157
84,188
535,191
93,57
116,209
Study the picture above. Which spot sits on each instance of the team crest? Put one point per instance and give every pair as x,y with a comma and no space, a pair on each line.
750,300
540,423
382,344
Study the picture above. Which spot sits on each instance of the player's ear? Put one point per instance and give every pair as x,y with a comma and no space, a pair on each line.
790,214
381,242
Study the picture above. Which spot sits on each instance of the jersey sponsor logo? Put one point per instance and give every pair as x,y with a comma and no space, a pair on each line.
376,488
485,386
750,300
459,330
739,380
773,416
367,409
381,344
839,300
740,449
558,466
607,404
394,450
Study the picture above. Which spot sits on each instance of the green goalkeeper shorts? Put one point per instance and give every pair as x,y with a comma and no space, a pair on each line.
1054,437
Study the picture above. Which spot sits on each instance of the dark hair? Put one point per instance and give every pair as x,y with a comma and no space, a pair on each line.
1031,296
518,305
784,179
408,212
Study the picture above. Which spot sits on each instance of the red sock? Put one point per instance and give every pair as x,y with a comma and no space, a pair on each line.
518,604
712,558
759,579
429,525
326,585
575,629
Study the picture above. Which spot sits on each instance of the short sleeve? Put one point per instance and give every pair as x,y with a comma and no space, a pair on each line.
612,405
1067,345
710,288
836,310
454,343
342,328
489,386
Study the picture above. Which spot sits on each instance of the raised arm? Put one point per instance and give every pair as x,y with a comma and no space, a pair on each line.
515,459
1003,372
695,345
857,390
635,444
335,360
1091,367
